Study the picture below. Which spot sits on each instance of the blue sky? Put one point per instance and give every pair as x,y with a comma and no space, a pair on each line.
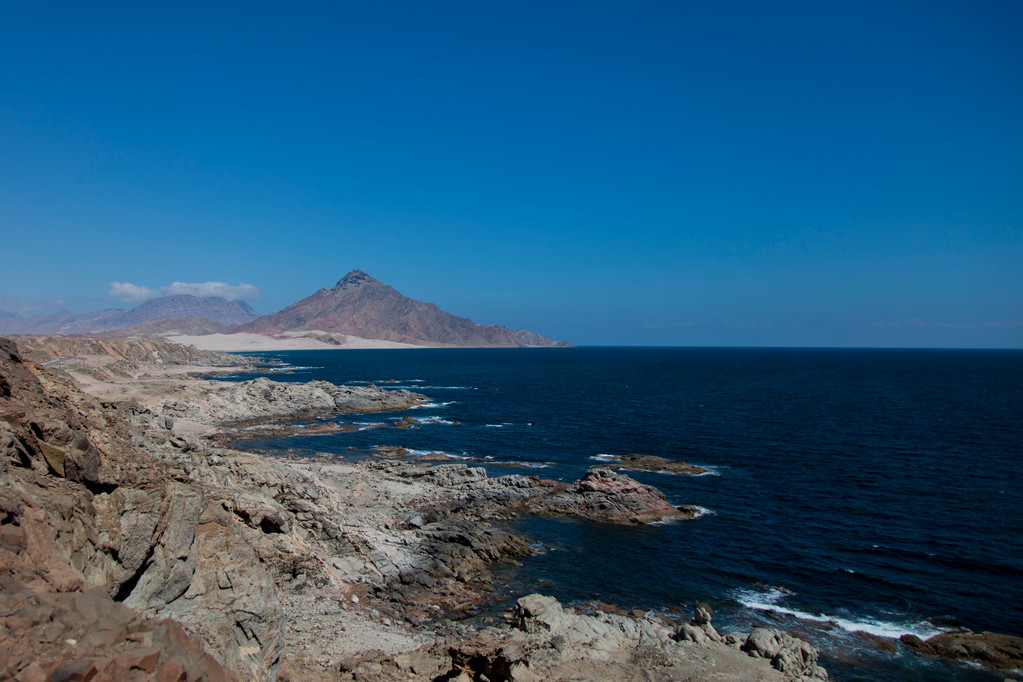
676,173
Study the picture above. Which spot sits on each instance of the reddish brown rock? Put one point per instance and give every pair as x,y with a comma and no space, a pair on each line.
86,636
652,463
604,495
989,649
138,659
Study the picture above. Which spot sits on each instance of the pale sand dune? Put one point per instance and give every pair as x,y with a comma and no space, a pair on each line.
260,342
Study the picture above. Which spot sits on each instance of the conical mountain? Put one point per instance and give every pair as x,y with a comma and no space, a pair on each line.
359,305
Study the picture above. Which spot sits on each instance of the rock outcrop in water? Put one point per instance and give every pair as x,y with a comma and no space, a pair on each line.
604,495
989,649
653,463
601,495
359,305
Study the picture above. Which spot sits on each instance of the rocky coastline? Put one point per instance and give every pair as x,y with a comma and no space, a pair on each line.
134,545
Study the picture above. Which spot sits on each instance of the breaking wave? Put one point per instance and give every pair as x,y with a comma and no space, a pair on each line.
769,599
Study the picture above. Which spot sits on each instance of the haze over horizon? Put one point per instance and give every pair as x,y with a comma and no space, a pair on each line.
734,173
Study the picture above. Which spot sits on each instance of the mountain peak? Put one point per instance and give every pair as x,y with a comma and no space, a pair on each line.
353,279
359,305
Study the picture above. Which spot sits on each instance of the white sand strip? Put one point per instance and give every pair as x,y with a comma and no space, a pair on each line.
260,342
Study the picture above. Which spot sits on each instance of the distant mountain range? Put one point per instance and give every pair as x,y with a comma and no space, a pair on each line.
214,309
358,305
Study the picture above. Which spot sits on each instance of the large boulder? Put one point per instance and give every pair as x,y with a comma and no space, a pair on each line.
790,655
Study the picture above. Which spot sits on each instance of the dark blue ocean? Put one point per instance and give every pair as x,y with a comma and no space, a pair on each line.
874,490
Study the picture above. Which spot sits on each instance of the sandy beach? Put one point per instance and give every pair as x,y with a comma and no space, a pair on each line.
287,341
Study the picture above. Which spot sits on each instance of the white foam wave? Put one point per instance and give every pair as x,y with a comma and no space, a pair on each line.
426,406
527,465
655,471
606,458
767,600
434,419
671,473
710,470
449,388
500,426
703,511
424,453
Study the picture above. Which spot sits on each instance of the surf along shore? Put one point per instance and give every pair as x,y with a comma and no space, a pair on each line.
137,544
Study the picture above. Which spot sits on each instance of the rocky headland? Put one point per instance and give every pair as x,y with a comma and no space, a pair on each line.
133,546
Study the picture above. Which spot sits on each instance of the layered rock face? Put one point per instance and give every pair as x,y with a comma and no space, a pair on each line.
359,305
86,511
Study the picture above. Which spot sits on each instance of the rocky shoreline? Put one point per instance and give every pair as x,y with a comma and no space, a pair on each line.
198,561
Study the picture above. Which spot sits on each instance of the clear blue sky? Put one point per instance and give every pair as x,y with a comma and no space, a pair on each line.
679,173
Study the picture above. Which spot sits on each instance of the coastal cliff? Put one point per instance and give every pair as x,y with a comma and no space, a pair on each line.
132,547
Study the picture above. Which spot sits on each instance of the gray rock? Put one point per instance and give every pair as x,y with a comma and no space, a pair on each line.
690,633
790,655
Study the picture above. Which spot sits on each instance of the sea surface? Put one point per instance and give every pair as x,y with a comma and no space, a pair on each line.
848,490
